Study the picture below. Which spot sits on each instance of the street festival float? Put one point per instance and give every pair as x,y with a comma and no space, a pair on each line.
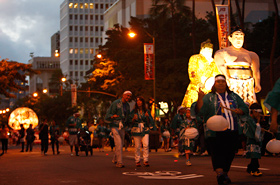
23,115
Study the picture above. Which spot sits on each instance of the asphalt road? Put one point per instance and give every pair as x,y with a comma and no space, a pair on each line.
34,168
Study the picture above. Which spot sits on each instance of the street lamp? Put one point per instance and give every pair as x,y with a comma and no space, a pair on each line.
56,53
63,79
45,91
35,95
132,35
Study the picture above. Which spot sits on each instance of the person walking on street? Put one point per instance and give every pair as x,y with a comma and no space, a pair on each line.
22,137
142,121
44,136
4,138
30,137
55,133
118,116
74,124
223,144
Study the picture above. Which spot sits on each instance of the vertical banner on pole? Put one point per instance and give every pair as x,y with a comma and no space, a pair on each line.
222,25
148,61
73,95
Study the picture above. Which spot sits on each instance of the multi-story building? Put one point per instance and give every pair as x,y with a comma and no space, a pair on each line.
46,66
81,27
55,43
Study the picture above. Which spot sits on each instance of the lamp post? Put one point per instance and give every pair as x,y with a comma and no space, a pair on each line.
132,35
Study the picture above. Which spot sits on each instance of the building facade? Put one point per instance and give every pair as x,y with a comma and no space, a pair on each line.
46,66
81,27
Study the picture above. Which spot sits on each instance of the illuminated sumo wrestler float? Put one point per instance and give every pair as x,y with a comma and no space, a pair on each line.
202,70
191,133
273,146
23,115
240,66
217,123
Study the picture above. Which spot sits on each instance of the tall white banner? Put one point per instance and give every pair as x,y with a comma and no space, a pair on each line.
222,25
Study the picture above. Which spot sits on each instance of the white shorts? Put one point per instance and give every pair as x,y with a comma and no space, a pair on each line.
73,140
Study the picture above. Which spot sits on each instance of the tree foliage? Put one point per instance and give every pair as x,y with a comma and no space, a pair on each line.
11,73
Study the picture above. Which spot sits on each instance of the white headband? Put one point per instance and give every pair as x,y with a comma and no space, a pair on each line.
220,78
127,92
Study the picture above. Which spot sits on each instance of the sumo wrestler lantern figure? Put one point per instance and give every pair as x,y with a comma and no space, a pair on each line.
240,66
202,70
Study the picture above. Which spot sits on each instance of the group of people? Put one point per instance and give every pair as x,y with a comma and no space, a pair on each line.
27,137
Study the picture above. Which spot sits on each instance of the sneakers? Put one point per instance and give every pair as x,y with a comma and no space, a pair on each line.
188,163
119,165
138,164
204,153
114,162
146,164
256,174
71,154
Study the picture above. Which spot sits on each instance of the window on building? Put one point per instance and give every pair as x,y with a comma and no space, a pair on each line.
71,5
76,62
96,40
101,28
101,17
91,5
81,28
70,28
91,62
71,62
101,6
76,73
91,28
86,17
76,28
70,16
96,28
86,5
91,51
81,5
86,50
101,40
86,62
76,39
81,39
81,17
96,6
107,6
76,51
81,62
96,17
81,73
71,50
86,39
91,17
86,28
70,39
81,51
76,5
71,73
76,17
91,39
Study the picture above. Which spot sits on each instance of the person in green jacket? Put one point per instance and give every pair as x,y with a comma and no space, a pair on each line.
74,124
142,121
223,144
118,117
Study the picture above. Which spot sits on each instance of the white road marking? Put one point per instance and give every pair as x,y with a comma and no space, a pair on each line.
190,176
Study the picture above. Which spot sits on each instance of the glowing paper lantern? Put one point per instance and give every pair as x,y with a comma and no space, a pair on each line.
23,115
60,139
166,134
191,133
209,83
273,146
217,123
